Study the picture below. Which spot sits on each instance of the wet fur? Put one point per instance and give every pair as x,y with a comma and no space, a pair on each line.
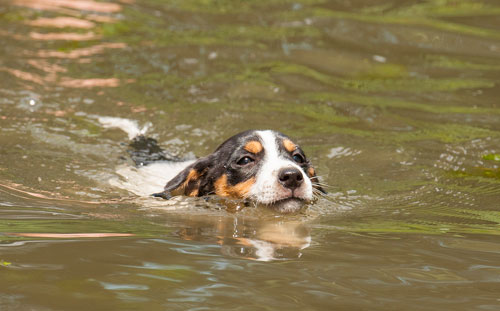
219,173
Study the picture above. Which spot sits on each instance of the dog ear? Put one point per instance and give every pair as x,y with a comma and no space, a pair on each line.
311,172
189,181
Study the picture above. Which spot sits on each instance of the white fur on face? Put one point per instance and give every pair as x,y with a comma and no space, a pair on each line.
267,188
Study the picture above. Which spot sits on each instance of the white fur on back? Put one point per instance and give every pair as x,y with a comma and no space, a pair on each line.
149,179
144,180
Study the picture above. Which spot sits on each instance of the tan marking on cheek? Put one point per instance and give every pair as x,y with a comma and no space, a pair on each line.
253,147
193,185
238,191
289,145
243,188
191,178
220,186
311,172
193,175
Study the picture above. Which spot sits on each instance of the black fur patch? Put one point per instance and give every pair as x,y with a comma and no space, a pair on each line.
145,150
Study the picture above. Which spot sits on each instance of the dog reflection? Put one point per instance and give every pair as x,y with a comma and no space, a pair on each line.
251,239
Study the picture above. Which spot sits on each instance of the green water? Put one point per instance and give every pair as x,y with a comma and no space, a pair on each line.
396,103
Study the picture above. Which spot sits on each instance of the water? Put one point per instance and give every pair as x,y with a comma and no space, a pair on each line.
395,102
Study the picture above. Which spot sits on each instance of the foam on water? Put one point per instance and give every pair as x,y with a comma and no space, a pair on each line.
131,127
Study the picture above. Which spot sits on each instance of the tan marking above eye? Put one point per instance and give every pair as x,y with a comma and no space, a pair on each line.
289,145
311,172
253,146
238,191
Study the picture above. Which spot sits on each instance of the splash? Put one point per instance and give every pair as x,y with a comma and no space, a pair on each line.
144,180
131,127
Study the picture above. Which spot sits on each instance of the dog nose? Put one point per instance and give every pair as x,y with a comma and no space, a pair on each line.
290,177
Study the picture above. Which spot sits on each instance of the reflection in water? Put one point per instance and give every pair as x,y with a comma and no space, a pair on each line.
54,67
62,5
262,240
70,235
395,101
64,36
82,52
88,83
61,22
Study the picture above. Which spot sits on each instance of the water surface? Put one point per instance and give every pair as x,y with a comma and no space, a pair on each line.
395,102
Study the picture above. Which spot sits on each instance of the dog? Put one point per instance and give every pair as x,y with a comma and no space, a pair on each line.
261,166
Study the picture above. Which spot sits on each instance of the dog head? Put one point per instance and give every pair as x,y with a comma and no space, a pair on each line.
265,167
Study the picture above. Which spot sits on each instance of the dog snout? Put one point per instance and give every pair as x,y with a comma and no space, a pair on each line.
290,177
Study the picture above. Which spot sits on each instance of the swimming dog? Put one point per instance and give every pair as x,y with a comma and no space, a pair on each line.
265,167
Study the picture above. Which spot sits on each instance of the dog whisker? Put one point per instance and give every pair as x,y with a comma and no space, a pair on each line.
320,184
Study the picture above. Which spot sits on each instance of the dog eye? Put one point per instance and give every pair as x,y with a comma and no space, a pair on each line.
298,158
245,161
